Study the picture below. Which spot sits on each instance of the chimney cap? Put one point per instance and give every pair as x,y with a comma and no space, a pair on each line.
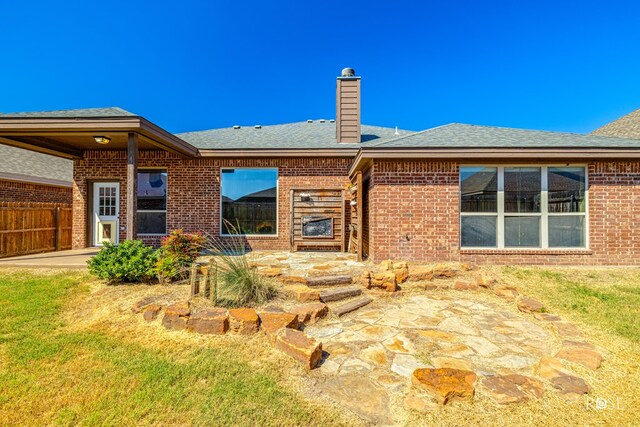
348,72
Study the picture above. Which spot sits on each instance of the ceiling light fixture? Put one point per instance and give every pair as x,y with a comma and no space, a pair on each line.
102,139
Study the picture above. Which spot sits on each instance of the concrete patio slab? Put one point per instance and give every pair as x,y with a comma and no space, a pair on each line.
75,258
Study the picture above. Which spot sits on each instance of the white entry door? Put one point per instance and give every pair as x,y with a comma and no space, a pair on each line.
106,208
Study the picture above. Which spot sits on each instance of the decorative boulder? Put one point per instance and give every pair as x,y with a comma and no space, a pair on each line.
210,321
176,316
400,269
529,305
150,312
310,313
508,293
244,321
299,346
443,271
385,280
271,322
302,293
420,273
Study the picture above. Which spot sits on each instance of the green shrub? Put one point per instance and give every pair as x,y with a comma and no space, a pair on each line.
131,261
241,284
179,250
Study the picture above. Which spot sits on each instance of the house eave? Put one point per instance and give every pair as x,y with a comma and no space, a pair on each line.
228,153
365,156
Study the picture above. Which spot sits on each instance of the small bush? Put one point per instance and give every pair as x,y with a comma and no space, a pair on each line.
179,250
131,261
241,284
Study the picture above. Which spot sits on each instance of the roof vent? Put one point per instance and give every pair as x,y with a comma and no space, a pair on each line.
309,121
258,126
236,127
322,120
348,72
332,121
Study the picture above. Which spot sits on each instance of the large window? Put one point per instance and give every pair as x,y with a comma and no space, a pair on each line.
249,201
523,207
152,201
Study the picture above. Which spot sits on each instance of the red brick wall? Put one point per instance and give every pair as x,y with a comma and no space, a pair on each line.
13,191
193,189
414,215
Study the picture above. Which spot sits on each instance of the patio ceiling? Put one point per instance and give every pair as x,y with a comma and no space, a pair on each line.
69,137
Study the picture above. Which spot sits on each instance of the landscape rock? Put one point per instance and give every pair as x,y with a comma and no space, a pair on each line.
569,386
446,384
443,271
210,321
176,316
547,317
485,282
508,293
299,346
512,388
580,353
272,322
465,286
550,367
244,321
529,305
302,293
420,273
140,305
150,312
400,269
419,404
310,313
567,330
385,280
271,272
293,280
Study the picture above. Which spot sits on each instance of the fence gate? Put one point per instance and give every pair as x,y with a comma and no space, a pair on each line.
27,228
317,218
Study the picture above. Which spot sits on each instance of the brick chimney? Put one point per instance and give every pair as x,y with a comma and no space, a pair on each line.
348,107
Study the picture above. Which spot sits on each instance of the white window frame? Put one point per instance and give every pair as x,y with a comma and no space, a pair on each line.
220,233
166,229
543,214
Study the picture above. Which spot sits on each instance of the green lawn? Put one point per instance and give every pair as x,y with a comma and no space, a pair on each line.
606,298
49,375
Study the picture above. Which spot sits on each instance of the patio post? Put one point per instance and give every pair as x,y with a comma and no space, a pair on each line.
132,185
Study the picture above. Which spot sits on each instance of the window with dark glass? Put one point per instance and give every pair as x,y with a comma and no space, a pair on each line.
152,201
523,207
249,201
478,206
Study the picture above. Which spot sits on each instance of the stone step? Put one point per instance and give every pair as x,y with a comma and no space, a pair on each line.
351,306
328,280
338,294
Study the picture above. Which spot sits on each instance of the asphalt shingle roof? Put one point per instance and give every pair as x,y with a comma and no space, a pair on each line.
299,135
457,135
78,113
625,127
31,164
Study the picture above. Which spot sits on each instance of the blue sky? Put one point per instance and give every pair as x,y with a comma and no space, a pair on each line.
192,65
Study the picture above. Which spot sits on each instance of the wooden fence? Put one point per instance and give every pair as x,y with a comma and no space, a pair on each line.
27,228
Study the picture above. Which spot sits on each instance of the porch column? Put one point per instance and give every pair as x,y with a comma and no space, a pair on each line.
132,185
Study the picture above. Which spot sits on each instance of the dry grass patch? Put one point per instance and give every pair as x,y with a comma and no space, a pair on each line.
73,353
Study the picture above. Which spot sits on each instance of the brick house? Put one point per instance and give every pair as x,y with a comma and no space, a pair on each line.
26,176
456,192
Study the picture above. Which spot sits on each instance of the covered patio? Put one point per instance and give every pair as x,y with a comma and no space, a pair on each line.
72,134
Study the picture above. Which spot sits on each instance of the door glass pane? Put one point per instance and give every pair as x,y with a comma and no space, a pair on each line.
566,232
152,222
522,231
566,189
478,231
522,188
478,189
249,201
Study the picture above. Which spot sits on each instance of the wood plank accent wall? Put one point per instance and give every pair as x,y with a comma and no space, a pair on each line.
27,227
321,203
